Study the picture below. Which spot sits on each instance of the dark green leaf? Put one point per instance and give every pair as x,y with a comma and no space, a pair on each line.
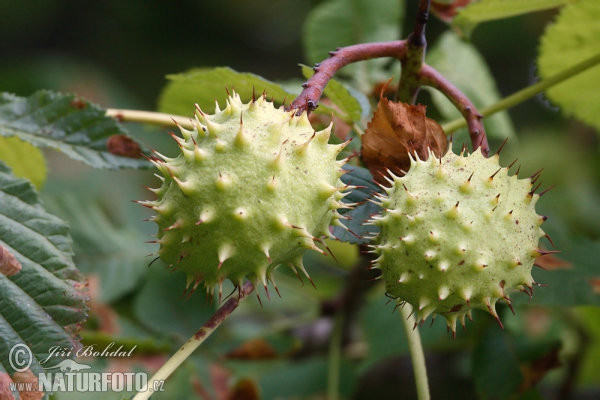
573,285
203,86
340,96
42,305
116,254
358,176
462,64
66,123
160,305
302,378
496,369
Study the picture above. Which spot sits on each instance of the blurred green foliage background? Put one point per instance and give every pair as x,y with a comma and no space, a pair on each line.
117,54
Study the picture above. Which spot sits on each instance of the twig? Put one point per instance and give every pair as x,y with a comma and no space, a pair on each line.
416,351
150,117
334,358
412,62
431,77
426,75
529,91
192,344
324,71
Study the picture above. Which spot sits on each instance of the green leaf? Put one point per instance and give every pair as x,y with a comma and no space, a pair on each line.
65,123
496,369
44,304
463,65
303,378
202,86
161,306
574,38
116,254
358,176
25,160
341,23
488,10
340,96
572,285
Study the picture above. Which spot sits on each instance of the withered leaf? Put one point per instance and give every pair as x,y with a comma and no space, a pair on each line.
245,389
5,381
9,265
395,130
539,368
551,262
32,392
123,145
254,349
595,282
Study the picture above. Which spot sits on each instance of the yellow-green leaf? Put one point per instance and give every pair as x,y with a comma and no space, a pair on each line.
489,10
574,38
25,160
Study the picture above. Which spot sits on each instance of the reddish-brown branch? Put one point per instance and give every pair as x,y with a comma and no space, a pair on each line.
324,71
417,38
421,74
430,77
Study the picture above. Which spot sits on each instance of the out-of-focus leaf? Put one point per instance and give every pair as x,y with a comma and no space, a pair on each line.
539,367
590,369
203,86
568,286
395,130
66,123
381,324
25,160
116,254
574,38
43,305
253,349
446,10
160,305
302,378
340,96
340,23
488,10
463,65
358,176
496,369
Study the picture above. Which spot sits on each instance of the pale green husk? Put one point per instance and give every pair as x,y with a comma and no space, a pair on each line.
253,188
457,233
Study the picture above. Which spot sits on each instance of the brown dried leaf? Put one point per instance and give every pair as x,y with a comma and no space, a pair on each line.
9,265
595,282
123,145
255,349
5,381
245,389
395,130
551,262
28,377
219,378
539,368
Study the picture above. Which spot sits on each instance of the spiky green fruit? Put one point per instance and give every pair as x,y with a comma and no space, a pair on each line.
457,234
253,188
